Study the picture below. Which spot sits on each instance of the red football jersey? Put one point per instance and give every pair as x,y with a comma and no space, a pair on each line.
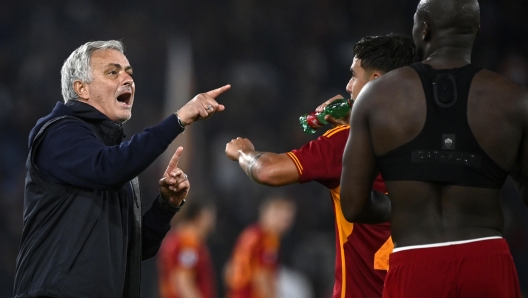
254,250
183,249
362,250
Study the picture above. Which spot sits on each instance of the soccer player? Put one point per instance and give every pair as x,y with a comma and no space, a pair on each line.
184,263
361,250
445,135
252,270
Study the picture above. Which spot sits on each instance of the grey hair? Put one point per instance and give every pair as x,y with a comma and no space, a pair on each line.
77,66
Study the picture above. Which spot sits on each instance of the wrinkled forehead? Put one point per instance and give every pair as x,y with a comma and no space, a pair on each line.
106,57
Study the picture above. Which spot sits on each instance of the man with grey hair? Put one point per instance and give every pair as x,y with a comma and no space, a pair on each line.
445,134
84,232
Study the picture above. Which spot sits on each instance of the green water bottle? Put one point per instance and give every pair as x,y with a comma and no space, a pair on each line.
313,121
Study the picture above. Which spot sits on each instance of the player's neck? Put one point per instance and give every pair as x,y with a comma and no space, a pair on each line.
195,228
269,228
447,56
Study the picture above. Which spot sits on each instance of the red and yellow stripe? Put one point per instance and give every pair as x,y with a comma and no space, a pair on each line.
335,130
296,161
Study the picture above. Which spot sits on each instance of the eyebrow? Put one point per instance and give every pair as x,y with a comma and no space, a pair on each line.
127,68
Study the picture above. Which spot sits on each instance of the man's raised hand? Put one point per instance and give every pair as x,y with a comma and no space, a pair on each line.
174,186
202,106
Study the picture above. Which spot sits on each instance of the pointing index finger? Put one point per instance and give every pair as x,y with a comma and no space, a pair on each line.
173,163
216,92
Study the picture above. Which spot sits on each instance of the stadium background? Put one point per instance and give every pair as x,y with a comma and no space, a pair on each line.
283,58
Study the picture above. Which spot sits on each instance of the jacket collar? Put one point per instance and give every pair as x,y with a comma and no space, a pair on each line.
87,112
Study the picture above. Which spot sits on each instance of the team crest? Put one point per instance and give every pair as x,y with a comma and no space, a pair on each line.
448,141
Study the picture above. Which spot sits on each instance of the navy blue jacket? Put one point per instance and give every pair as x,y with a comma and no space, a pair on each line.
84,235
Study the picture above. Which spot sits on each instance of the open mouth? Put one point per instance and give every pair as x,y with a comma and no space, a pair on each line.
125,98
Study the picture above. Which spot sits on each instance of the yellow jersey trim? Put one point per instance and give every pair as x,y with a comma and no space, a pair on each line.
296,162
335,130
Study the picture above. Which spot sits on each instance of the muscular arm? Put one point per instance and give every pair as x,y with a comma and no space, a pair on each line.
269,168
520,173
359,170
262,167
520,176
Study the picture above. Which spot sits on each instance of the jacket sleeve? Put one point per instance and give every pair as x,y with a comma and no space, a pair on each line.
156,224
72,154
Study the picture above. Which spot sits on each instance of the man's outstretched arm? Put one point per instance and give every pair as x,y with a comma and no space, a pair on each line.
359,171
266,168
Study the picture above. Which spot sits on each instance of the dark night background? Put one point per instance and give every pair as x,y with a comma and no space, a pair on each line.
283,58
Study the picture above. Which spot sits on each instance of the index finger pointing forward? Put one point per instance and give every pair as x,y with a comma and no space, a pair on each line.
216,92
173,163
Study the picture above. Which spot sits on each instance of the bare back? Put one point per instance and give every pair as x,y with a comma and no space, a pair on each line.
426,212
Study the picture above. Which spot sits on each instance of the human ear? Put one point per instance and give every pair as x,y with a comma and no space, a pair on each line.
81,89
426,33
374,75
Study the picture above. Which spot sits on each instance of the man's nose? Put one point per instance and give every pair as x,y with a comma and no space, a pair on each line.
349,88
128,81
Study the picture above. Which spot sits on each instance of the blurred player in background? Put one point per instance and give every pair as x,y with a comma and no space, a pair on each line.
252,269
184,263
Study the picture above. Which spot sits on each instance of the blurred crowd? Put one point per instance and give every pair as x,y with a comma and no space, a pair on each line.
282,58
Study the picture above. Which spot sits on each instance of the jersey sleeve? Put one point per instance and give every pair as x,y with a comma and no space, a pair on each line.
321,159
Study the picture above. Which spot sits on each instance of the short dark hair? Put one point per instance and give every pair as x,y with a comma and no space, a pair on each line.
385,52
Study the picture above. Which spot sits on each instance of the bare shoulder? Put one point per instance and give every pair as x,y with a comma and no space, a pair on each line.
394,109
490,81
397,87
398,79
501,93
